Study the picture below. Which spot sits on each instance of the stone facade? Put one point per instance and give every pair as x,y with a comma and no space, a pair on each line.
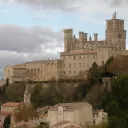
7,109
80,113
78,56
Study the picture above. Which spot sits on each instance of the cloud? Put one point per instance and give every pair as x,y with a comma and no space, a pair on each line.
28,39
65,5
22,44
116,3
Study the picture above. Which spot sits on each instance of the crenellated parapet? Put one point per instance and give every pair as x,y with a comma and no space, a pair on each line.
83,36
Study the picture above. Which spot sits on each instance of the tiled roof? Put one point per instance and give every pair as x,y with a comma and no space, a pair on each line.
12,104
69,106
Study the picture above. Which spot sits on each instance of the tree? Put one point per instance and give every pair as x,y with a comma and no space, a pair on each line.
116,102
24,112
7,121
15,92
95,73
36,96
119,65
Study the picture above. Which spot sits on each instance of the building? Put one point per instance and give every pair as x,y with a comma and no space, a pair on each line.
100,117
30,124
79,113
9,107
78,56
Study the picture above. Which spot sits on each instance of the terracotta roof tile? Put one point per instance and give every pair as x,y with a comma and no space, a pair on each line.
12,104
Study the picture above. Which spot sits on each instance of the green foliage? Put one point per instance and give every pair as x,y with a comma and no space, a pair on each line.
116,102
24,112
82,90
52,94
95,73
3,88
15,92
102,125
109,61
7,121
36,96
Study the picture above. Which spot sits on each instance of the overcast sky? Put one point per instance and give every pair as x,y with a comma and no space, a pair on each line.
33,29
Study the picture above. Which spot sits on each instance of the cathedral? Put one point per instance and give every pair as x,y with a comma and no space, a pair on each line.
78,56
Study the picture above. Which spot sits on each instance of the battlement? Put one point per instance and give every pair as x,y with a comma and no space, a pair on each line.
83,36
68,30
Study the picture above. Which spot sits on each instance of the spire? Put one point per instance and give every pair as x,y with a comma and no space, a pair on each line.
26,90
27,95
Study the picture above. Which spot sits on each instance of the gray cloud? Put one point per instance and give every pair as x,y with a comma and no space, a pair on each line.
65,5
22,44
54,4
116,3
28,39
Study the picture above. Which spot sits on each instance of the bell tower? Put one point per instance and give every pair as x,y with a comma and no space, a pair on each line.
115,33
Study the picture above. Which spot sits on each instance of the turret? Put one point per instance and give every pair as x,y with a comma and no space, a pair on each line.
68,36
95,36
85,36
82,36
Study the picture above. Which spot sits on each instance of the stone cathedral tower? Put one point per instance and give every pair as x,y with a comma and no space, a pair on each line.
27,96
68,36
115,33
